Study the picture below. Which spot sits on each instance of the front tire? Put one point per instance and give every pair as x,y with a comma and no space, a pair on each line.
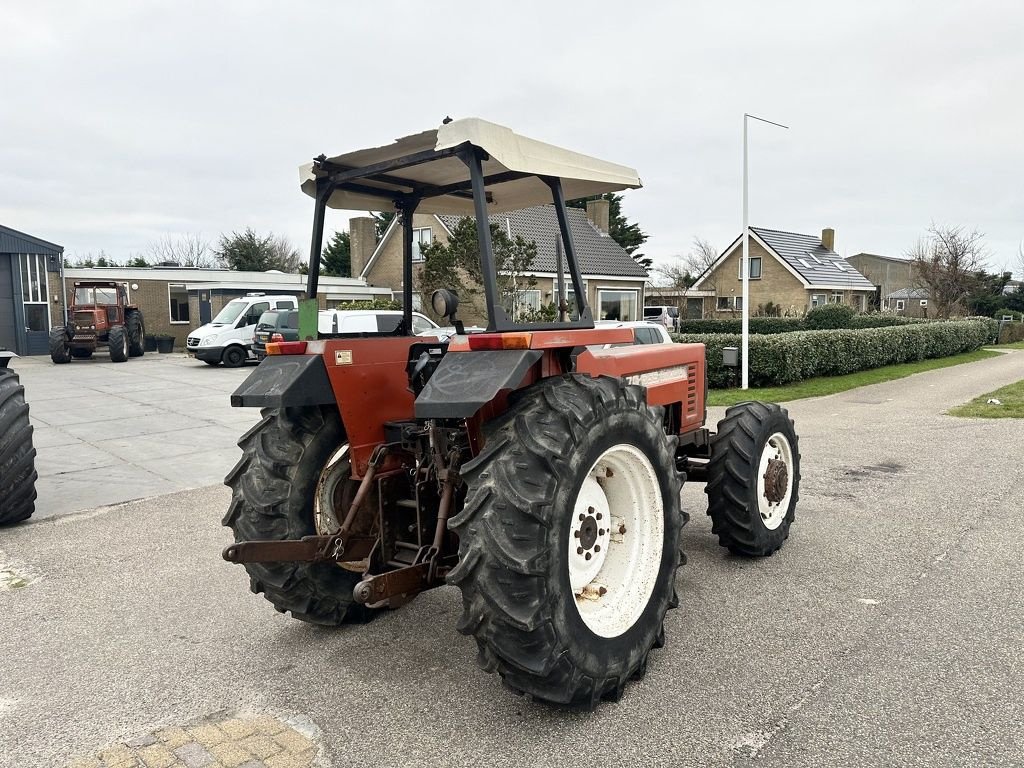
233,357
17,455
136,334
753,478
563,605
117,341
60,353
273,489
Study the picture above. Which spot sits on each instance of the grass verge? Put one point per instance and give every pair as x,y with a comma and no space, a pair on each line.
829,385
1011,404
1014,345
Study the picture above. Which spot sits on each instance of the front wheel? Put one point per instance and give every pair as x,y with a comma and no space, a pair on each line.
569,540
117,341
753,478
136,334
234,357
60,352
285,459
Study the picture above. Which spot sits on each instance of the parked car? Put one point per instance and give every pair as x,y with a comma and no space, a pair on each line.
275,325
228,337
663,315
334,321
643,332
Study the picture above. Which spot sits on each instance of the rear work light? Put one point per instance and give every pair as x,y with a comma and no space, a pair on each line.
481,341
286,348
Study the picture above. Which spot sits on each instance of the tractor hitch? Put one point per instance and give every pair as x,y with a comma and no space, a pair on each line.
308,549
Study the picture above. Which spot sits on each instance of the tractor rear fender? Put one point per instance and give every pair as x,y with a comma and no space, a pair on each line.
466,381
5,357
285,381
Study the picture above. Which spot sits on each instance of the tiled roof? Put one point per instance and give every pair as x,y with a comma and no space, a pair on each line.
909,293
596,252
813,261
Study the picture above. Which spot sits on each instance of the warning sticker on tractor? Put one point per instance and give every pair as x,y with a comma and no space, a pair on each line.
343,357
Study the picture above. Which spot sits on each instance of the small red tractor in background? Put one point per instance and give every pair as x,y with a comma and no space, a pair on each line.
99,316
537,467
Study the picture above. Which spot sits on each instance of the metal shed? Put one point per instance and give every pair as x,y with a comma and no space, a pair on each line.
29,275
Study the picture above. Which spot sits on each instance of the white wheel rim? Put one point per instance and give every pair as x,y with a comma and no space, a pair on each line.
618,520
776,448
337,470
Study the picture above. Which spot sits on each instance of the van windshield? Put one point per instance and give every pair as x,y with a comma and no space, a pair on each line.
230,312
652,311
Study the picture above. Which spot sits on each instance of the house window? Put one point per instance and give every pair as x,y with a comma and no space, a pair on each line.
924,302
738,303
420,237
35,291
837,297
755,268
528,299
570,296
817,299
899,305
723,303
617,305
177,297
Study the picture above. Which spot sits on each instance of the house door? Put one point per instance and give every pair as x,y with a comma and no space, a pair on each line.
8,327
205,310
35,305
694,308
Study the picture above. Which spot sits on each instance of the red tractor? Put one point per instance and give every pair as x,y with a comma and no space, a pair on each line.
537,467
100,315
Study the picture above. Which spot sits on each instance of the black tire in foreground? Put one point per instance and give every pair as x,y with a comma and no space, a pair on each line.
117,341
17,455
753,478
525,496
59,351
272,497
136,333
234,357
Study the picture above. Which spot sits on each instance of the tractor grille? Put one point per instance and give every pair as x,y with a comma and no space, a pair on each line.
85,318
193,341
691,388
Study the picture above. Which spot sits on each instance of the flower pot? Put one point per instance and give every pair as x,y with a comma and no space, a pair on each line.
165,344
149,344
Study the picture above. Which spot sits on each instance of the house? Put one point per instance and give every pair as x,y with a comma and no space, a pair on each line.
791,271
613,281
29,277
911,302
887,273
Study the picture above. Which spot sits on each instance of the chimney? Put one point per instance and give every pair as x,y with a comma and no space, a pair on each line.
828,238
597,212
362,232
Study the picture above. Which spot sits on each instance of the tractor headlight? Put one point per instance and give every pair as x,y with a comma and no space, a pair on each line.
207,341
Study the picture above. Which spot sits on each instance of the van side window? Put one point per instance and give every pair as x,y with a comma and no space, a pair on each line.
388,323
284,305
252,315
420,325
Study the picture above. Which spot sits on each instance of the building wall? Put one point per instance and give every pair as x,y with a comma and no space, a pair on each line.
889,275
8,329
776,284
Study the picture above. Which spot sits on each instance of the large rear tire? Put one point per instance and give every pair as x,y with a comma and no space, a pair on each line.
117,341
17,455
569,540
60,353
273,490
753,478
136,333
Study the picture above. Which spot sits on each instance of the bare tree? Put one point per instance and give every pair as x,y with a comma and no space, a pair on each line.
284,254
187,250
946,262
1020,261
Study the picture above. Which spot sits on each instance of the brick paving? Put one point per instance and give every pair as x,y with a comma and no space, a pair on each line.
240,741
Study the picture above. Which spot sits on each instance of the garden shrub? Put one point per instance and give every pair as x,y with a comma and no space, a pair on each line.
759,325
829,316
778,359
1011,332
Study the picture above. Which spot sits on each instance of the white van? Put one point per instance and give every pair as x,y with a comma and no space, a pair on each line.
331,321
228,338
663,315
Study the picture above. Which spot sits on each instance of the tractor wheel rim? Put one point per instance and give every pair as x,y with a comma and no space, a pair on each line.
616,538
775,481
328,492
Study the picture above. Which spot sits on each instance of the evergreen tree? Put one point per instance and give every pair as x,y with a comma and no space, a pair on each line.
626,234
336,258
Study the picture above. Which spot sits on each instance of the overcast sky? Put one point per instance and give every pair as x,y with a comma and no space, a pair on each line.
122,122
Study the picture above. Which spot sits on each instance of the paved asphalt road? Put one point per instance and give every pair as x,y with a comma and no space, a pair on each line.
888,631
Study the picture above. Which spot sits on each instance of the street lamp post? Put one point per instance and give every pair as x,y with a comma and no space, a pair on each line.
745,330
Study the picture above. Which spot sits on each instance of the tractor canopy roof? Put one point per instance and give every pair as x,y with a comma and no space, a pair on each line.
423,165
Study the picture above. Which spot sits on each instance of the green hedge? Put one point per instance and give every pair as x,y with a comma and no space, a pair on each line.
1011,332
785,358
760,325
